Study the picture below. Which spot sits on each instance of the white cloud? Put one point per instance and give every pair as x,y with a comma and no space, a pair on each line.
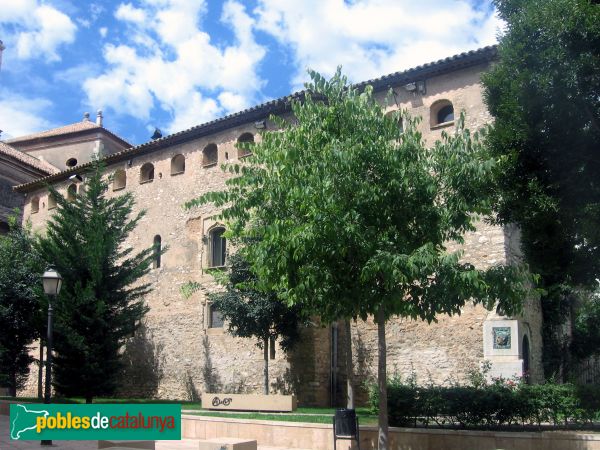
128,13
168,61
39,29
20,115
103,31
373,37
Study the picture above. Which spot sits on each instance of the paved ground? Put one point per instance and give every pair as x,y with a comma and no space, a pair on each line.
7,444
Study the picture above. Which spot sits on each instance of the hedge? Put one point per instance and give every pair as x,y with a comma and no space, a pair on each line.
495,405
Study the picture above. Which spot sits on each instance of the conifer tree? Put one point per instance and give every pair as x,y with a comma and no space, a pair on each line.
102,299
20,295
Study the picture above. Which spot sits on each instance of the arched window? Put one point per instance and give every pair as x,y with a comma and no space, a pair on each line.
177,164
392,115
217,247
215,318
51,201
71,162
35,205
156,250
119,180
244,143
210,155
71,192
147,173
442,113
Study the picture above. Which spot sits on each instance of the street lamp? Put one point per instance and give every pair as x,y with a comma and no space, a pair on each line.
52,283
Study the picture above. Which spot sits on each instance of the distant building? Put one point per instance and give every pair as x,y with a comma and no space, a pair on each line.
29,158
183,348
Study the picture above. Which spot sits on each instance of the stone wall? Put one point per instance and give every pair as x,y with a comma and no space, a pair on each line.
175,355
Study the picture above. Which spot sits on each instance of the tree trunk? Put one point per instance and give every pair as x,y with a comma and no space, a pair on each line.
266,369
41,372
12,383
348,364
382,380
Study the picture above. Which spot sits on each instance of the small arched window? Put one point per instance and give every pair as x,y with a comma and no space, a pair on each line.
210,155
215,318
245,141
147,173
392,115
35,205
71,192
51,201
119,180
156,251
442,113
71,162
217,247
177,164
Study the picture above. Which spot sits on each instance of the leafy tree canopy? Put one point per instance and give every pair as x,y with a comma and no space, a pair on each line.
350,216
21,268
101,301
251,313
544,94
348,212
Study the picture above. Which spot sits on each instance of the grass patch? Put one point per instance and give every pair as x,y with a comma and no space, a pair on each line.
307,415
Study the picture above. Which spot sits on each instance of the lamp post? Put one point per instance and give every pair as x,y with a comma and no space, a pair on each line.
52,283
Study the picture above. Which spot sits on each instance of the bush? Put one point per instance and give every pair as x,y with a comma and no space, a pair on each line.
501,403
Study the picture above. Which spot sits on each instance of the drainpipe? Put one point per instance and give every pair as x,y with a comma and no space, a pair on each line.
333,375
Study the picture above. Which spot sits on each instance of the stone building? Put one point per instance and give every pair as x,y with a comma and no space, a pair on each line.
182,348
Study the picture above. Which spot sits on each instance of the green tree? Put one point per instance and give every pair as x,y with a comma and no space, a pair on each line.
20,293
251,313
544,94
350,215
101,302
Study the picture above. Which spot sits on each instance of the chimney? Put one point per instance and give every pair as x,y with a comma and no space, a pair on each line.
86,117
99,118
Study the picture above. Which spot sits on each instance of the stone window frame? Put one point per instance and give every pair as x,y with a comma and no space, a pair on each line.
212,160
210,263
71,162
177,164
147,173
245,138
434,111
119,182
35,205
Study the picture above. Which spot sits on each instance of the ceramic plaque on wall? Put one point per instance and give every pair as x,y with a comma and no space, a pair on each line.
501,337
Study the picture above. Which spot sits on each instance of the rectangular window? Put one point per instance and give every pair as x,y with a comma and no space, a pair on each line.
215,319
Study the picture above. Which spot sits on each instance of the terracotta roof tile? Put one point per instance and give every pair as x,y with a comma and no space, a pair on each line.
36,163
65,130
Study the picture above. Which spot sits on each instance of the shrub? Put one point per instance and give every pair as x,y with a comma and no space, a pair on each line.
501,403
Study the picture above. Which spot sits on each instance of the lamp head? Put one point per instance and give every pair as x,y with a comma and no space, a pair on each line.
52,282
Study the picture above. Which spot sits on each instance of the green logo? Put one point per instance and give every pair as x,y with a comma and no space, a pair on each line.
95,422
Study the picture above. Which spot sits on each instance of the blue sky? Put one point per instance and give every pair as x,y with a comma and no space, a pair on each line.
173,64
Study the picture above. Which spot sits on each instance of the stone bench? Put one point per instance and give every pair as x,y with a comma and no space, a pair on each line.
117,445
227,444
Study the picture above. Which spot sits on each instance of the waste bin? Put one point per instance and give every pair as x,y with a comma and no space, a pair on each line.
345,426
